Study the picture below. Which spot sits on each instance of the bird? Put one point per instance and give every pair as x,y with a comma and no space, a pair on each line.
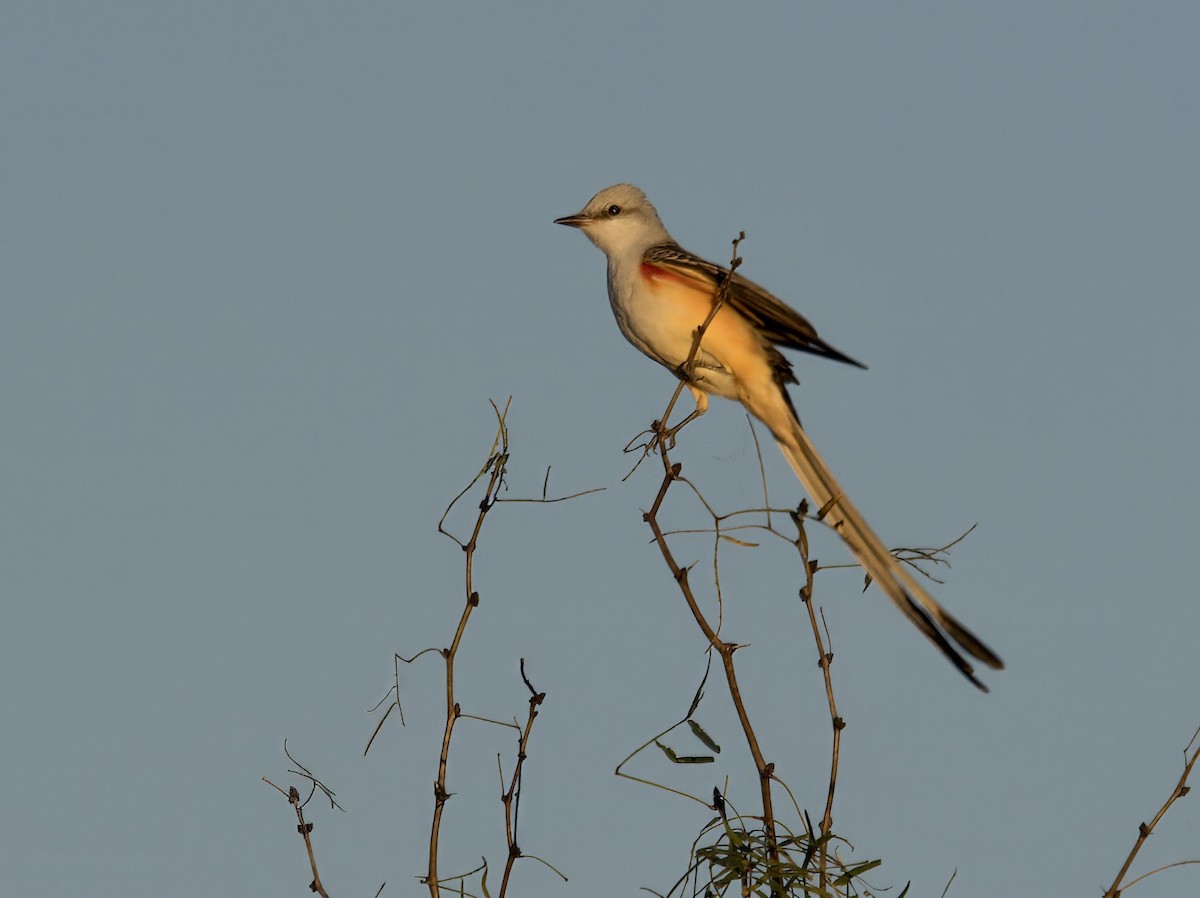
661,294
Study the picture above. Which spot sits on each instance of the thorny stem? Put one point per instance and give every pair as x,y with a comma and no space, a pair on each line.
724,649
512,798
305,830
496,464
825,660
1145,829
494,472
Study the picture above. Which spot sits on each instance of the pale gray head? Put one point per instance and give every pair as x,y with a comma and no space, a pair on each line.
619,220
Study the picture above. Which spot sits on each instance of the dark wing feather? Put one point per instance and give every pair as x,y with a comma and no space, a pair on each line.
777,321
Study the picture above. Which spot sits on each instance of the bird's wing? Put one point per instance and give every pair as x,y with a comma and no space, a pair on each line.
774,319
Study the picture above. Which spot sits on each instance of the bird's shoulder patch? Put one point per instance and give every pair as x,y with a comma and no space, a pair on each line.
655,272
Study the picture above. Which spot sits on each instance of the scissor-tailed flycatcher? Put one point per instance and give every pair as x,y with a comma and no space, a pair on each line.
661,293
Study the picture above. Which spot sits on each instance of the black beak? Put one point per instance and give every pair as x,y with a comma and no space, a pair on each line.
577,220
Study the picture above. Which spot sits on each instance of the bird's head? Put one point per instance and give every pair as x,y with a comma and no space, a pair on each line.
619,220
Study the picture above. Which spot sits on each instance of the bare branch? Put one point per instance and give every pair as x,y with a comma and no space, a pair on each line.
1145,829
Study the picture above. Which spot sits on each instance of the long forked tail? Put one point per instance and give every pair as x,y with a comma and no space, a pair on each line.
941,627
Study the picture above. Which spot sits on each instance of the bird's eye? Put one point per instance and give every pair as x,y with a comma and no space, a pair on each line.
613,210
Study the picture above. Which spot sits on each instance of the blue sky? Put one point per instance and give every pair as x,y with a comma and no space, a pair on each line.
265,264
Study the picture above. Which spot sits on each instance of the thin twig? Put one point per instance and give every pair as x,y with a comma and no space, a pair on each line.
825,661
493,474
1145,829
494,468
725,650
511,798
305,830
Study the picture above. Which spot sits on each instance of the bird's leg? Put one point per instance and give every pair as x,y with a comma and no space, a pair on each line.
664,435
